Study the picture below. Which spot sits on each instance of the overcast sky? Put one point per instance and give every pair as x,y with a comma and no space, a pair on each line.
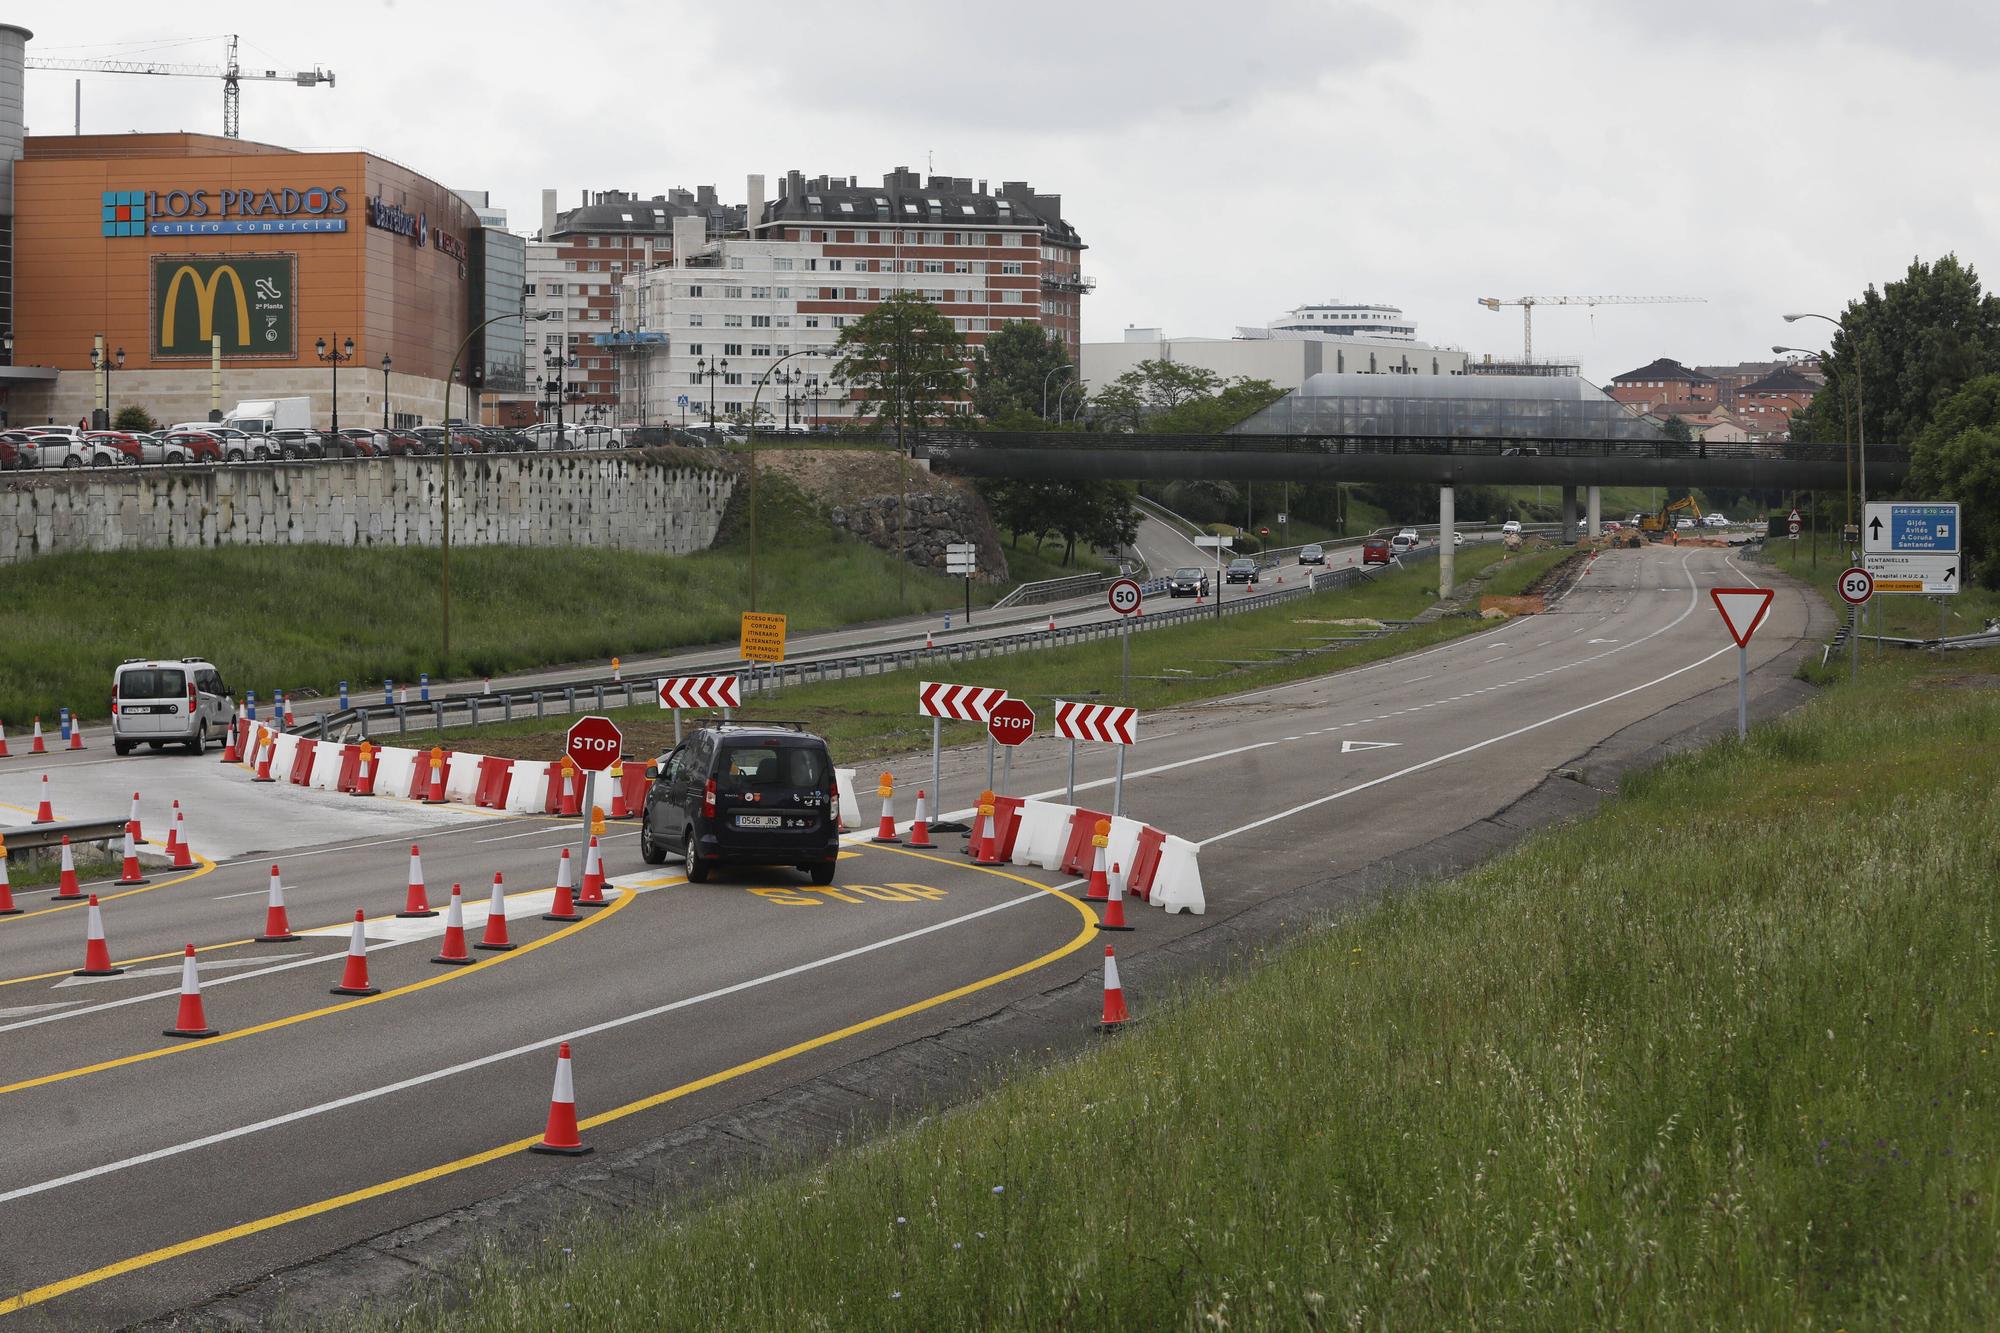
1224,162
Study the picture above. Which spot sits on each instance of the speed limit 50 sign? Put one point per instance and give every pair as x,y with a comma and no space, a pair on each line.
1124,596
1857,585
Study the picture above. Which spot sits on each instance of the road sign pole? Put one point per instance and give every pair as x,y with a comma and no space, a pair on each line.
1070,797
989,761
1118,785
1742,693
937,762
1125,665
1854,643
1006,769
677,726
589,797
968,599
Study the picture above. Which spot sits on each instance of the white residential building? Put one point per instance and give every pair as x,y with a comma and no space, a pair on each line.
1287,360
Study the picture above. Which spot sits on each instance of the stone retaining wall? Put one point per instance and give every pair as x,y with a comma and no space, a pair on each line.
621,499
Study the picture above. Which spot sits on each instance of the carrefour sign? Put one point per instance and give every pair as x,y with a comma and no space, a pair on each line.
388,217
224,212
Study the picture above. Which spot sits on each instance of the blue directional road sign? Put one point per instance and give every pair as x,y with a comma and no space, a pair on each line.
1929,528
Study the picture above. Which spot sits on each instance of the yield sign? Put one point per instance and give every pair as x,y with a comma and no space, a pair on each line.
1743,610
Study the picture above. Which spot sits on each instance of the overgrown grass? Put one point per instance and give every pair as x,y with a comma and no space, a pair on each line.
873,717
42,872
306,617
1902,614
1725,1056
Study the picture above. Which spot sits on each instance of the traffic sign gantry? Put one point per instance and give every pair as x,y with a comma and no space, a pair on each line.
593,743
1012,722
1857,585
1124,596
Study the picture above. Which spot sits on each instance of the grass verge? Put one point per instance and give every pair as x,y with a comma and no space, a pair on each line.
1725,1056
874,717
1902,615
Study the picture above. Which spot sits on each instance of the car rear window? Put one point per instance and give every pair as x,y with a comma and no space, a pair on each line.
774,766
152,683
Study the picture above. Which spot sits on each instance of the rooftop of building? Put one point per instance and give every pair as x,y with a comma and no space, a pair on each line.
178,143
1666,368
609,212
1784,379
904,198
1469,406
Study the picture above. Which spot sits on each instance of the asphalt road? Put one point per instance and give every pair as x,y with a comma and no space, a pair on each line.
140,1174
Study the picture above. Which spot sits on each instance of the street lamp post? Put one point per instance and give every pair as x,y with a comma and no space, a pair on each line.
1045,387
755,394
444,456
385,390
334,356
704,369
106,361
1860,411
1065,393
812,390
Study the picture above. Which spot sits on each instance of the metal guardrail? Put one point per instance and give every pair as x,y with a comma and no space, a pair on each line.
43,837
1053,590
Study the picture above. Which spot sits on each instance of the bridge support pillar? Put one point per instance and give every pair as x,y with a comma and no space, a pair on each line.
1447,521
1593,508
1569,516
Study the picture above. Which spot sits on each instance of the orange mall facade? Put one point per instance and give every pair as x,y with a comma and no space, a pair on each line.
216,265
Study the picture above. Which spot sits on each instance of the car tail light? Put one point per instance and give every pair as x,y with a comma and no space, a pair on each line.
191,697
833,800
708,800
114,698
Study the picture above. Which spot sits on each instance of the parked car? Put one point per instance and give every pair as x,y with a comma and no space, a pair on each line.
1189,581
1312,554
1376,551
1683,524
1242,569
168,703
236,446
18,450
295,443
1511,528
113,448
57,448
188,446
1716,521
401,444
367,443
756,793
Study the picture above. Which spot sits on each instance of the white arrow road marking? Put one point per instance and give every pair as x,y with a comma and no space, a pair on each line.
1349,747
1600,640
173,969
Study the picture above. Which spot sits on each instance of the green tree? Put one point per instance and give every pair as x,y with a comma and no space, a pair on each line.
1957,457
1677,430
1087,513
134,417
905,358
1172,398
1918,340
1008,372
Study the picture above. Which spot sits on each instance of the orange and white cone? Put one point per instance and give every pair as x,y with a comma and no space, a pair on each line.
920,827
67,890
496,920
436,796
45,813
267,748
928,644
96,953
414,902
354,978
277,926
173,829
562,909
38,745
190,1022
454,934
138,834
973,839
1115,1014
129,872
1100,889
986,849
230,754
3,740
561,1137
75,734
177,843
619,810
592,893
1052,624
7,907
571,800
1114,907
885,831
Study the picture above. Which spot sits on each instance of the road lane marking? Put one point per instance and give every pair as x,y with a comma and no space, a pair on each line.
205,867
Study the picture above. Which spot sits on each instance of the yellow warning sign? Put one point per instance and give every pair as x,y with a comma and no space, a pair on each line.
763,636
1899,585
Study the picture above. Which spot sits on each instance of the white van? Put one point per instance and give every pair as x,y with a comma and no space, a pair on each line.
169,703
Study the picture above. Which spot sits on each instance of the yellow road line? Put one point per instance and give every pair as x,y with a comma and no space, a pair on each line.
206,866
63,1286
492,960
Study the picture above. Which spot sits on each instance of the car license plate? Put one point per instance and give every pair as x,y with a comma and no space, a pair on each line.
760,821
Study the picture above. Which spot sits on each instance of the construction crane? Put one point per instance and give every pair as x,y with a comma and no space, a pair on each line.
1528,304
232,75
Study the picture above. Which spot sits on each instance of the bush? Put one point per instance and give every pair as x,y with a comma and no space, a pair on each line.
134,417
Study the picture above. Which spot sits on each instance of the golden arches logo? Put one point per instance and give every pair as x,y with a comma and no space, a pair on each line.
204,295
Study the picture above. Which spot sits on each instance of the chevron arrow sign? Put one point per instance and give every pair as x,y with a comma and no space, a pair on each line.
1097,722
960,703
700,692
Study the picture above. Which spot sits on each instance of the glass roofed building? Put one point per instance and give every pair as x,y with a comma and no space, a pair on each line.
1451,407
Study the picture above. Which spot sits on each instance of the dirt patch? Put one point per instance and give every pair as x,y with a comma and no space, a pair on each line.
848,476
1513,606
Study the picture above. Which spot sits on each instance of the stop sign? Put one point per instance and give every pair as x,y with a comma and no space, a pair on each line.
593,743
1011,722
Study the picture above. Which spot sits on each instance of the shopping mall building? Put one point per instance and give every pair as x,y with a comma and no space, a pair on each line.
187,272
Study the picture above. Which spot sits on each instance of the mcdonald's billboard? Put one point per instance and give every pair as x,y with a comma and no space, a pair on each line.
249,299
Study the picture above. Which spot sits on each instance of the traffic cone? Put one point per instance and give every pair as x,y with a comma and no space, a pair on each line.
128,873
191,1022
986,851
277,926
454,934
414,903
886,830
561,1137
44,813
7,907
3,739
66,886
1114,908
267,748
562,909
1115,1015
364,783
928,645
592,894
173,830
1052,624
1099,890
571,801
96,954
75,733
619,810
920,828
972,839
496,920
435,796
230,754
138,835
38,746
183,855
354,979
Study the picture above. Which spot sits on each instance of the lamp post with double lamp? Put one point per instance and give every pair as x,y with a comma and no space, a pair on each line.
755,394
704,369
385,390
334,356
1079,384
106,360
444,457
1849,471
1860,412
1053,371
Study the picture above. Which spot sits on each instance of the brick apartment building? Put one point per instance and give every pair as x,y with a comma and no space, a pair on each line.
1665,387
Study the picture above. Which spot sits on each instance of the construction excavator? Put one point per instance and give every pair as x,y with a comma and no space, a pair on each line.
1664,520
